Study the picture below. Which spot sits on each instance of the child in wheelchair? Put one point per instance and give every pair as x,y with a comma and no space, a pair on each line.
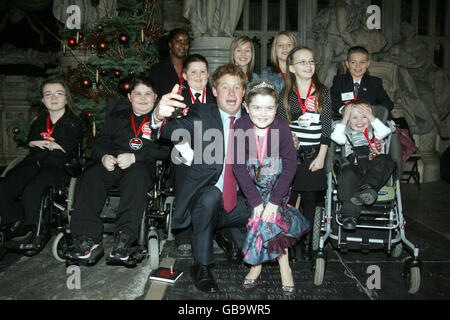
123,156
54,137
367,166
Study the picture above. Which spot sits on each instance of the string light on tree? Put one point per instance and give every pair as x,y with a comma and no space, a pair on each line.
123,38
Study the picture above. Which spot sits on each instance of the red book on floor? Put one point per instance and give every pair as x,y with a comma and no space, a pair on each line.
165,274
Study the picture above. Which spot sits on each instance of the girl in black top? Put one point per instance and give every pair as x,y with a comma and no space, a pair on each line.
54,137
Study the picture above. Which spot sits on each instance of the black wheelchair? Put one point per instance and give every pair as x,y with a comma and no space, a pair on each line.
155,220
55,206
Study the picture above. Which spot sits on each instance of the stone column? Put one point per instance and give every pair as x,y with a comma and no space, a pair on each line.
215,49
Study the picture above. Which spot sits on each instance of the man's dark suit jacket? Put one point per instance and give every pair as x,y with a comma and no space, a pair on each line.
201,117
370,89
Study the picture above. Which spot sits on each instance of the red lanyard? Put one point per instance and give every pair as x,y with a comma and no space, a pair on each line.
140,127
260,153
282,74
203,95
50,131
368,140
300,99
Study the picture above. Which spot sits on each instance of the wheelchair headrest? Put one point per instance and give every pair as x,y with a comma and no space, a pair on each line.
380,112
114,105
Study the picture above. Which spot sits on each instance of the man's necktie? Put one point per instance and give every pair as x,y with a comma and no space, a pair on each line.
355,89
197,97
229,181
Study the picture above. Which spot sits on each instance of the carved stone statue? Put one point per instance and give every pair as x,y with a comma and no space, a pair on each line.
424,87
213,18
340,26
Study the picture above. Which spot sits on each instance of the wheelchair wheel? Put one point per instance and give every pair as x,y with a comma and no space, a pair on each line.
319,271
168,206
316,228
61,246
411,274
153,253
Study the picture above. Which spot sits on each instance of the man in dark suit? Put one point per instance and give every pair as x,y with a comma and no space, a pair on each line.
208,198
357,84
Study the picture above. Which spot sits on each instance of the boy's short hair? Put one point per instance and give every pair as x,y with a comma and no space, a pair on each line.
141,80
357,49
194,58
228,69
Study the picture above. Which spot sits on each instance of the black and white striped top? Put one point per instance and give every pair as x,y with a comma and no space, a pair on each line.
316,133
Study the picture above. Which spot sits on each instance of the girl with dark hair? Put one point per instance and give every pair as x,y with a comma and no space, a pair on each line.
55,135
305,103
265,173
168,72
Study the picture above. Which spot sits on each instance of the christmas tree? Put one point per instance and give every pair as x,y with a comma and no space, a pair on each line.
122,45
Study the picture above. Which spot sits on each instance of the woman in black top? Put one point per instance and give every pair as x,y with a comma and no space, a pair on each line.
168,72
54,137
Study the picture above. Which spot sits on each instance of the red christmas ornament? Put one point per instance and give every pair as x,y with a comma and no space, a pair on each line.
71,42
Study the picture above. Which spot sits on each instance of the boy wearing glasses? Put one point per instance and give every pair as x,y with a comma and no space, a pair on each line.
357,83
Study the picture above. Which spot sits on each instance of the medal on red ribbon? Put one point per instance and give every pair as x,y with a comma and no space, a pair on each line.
48,135
136,143
375,142
260,153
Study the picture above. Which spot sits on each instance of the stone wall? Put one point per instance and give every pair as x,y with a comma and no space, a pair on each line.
173,15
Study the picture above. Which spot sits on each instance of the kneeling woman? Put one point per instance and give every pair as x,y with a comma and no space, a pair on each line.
54,136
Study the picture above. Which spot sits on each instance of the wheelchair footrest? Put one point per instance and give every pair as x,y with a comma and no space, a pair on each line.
376,210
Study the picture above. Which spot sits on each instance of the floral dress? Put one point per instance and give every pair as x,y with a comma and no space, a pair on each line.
266,241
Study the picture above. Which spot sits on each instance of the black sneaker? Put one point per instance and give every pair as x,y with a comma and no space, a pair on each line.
84,248
121,247
365,195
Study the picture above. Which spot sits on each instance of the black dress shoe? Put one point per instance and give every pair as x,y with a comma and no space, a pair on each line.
203,279
225,244
235,256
